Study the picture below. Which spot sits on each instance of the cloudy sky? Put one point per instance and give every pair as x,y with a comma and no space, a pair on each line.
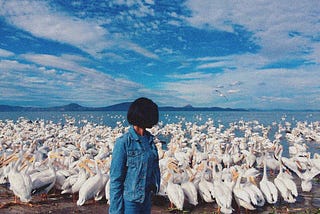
238,54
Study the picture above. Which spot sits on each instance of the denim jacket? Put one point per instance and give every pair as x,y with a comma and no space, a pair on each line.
128,172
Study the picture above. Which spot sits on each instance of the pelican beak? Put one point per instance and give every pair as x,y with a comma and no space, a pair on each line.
11,158
192,178
89,161
299,164
55,155
166,179
213,159
80,164
173,167
288,171
189,170
200,167
235,174
100,162
85,166
253,180
31,160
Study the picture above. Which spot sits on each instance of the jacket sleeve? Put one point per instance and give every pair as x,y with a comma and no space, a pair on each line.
117,176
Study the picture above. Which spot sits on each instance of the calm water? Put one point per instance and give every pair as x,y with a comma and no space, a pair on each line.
219,117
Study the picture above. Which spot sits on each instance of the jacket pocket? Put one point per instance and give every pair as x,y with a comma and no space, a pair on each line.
133,158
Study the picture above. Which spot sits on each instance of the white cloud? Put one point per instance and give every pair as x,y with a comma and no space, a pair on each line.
12,94
271,22
249,88
193,75
68,63
233,91
42,21
136,48
63,62
150,2
198,92
5,53
208,58
7,65
37,18
64,79
212,65
315,54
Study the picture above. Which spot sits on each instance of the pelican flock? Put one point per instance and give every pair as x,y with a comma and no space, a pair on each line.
207,163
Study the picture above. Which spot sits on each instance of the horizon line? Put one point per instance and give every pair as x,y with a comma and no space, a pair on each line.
188,106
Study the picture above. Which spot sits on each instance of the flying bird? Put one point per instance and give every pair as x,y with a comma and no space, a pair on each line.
221,94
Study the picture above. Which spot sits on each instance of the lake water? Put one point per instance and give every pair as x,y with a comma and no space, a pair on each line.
223,117
266,118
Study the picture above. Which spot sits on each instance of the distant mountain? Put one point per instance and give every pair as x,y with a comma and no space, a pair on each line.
70,107
191,108
11,108
117,107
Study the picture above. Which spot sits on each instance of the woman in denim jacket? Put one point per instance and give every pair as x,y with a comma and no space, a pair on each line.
134,172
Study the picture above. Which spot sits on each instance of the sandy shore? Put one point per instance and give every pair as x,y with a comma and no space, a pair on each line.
57,203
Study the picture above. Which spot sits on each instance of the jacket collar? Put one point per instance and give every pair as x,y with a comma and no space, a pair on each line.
135,136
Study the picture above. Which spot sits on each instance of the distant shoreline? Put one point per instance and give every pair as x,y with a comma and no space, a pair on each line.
116,107
125,106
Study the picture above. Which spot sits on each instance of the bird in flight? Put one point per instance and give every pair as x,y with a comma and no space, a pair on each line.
221,94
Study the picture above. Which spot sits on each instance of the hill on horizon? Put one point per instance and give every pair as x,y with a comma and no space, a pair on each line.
116,107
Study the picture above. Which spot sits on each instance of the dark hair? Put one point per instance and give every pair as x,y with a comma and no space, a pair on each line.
143,112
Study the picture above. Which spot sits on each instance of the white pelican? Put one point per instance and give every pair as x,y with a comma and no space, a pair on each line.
69,182
255,193
205,187
315,161
235,152
163,185
222,190
240,195
174,191
4,170
286,186
20,182
101,193
306,176
189,189
226,158
107,192
43,181
90,187
297,148
79,181
268,188
250,157
61,177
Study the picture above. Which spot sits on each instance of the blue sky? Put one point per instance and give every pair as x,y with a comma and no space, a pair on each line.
237,54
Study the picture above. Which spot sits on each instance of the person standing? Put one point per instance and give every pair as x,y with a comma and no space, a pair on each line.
134,171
